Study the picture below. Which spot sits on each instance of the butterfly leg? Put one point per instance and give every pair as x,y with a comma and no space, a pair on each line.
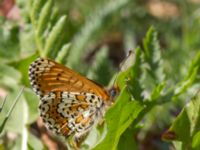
75,141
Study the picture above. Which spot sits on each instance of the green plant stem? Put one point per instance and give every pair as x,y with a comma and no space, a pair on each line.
1,108
10,111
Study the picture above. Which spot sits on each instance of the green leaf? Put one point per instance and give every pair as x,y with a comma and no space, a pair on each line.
9,43
27,41
118,119
151,46
101,69
132,76
186,126
22,66
196,140
34,142
93,25
195,63
152,60
32,103
186,83
54,17
43,22
16,121
53,40
35,11
10,110
96,135
191,76
9,76
157,91
127,140
63,53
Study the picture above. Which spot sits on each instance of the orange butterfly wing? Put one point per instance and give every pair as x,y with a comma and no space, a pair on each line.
47,75
70,103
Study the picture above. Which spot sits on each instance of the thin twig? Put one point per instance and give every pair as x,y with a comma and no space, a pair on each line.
15,102
1,108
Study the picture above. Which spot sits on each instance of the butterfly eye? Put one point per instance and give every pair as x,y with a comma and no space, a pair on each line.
114,92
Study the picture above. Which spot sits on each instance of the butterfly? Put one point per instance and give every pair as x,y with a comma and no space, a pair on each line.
70,104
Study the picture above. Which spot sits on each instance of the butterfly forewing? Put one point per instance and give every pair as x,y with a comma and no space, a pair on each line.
46,75
70,103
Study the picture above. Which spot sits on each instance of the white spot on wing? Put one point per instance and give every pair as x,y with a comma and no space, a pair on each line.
86,114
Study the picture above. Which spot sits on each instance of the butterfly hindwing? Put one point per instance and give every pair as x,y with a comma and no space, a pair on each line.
71,112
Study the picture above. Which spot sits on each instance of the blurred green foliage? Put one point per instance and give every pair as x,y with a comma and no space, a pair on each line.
93,37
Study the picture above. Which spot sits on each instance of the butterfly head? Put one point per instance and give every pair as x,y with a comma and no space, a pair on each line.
113,92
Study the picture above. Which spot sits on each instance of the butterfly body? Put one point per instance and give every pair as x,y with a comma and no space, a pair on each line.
69,102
